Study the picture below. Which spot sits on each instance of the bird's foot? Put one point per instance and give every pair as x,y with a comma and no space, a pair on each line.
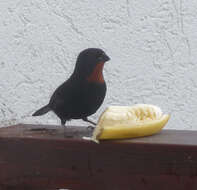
66,134
90,127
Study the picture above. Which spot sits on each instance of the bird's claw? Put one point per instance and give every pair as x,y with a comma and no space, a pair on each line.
91,127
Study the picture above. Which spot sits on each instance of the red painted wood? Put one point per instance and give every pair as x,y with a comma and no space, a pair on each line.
49,157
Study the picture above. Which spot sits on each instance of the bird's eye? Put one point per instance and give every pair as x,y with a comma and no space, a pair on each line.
102,54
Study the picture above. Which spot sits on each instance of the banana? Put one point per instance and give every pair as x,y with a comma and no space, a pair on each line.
120,122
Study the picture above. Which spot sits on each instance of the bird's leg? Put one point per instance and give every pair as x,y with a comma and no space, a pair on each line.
66,134
87,120
63,122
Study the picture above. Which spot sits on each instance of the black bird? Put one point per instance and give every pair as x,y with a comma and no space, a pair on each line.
83,93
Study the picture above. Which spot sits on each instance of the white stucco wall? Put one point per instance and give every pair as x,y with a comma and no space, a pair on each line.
152,45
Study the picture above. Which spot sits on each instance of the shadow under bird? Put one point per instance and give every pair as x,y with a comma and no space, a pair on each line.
83,93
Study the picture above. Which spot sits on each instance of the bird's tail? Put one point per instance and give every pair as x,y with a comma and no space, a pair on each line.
42,111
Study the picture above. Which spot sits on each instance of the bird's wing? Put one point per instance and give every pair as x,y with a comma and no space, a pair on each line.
64,95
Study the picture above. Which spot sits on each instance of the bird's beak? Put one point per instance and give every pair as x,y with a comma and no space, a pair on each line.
105,57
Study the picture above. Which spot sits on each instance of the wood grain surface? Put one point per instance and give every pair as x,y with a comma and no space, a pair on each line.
51,157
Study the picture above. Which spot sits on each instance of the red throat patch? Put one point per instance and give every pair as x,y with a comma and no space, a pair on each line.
97,74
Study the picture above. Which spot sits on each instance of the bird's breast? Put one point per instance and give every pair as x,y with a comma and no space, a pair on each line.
97,74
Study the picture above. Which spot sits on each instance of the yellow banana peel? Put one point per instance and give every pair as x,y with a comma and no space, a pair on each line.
121,122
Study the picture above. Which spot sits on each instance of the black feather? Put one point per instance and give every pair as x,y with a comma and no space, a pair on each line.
42,111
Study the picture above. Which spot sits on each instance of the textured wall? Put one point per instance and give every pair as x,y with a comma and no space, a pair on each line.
153,46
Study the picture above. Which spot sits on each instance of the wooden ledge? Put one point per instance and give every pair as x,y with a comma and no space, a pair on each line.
49,157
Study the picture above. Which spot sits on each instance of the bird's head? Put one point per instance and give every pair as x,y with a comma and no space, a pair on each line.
90,62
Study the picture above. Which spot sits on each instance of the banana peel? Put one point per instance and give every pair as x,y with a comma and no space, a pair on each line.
123,122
